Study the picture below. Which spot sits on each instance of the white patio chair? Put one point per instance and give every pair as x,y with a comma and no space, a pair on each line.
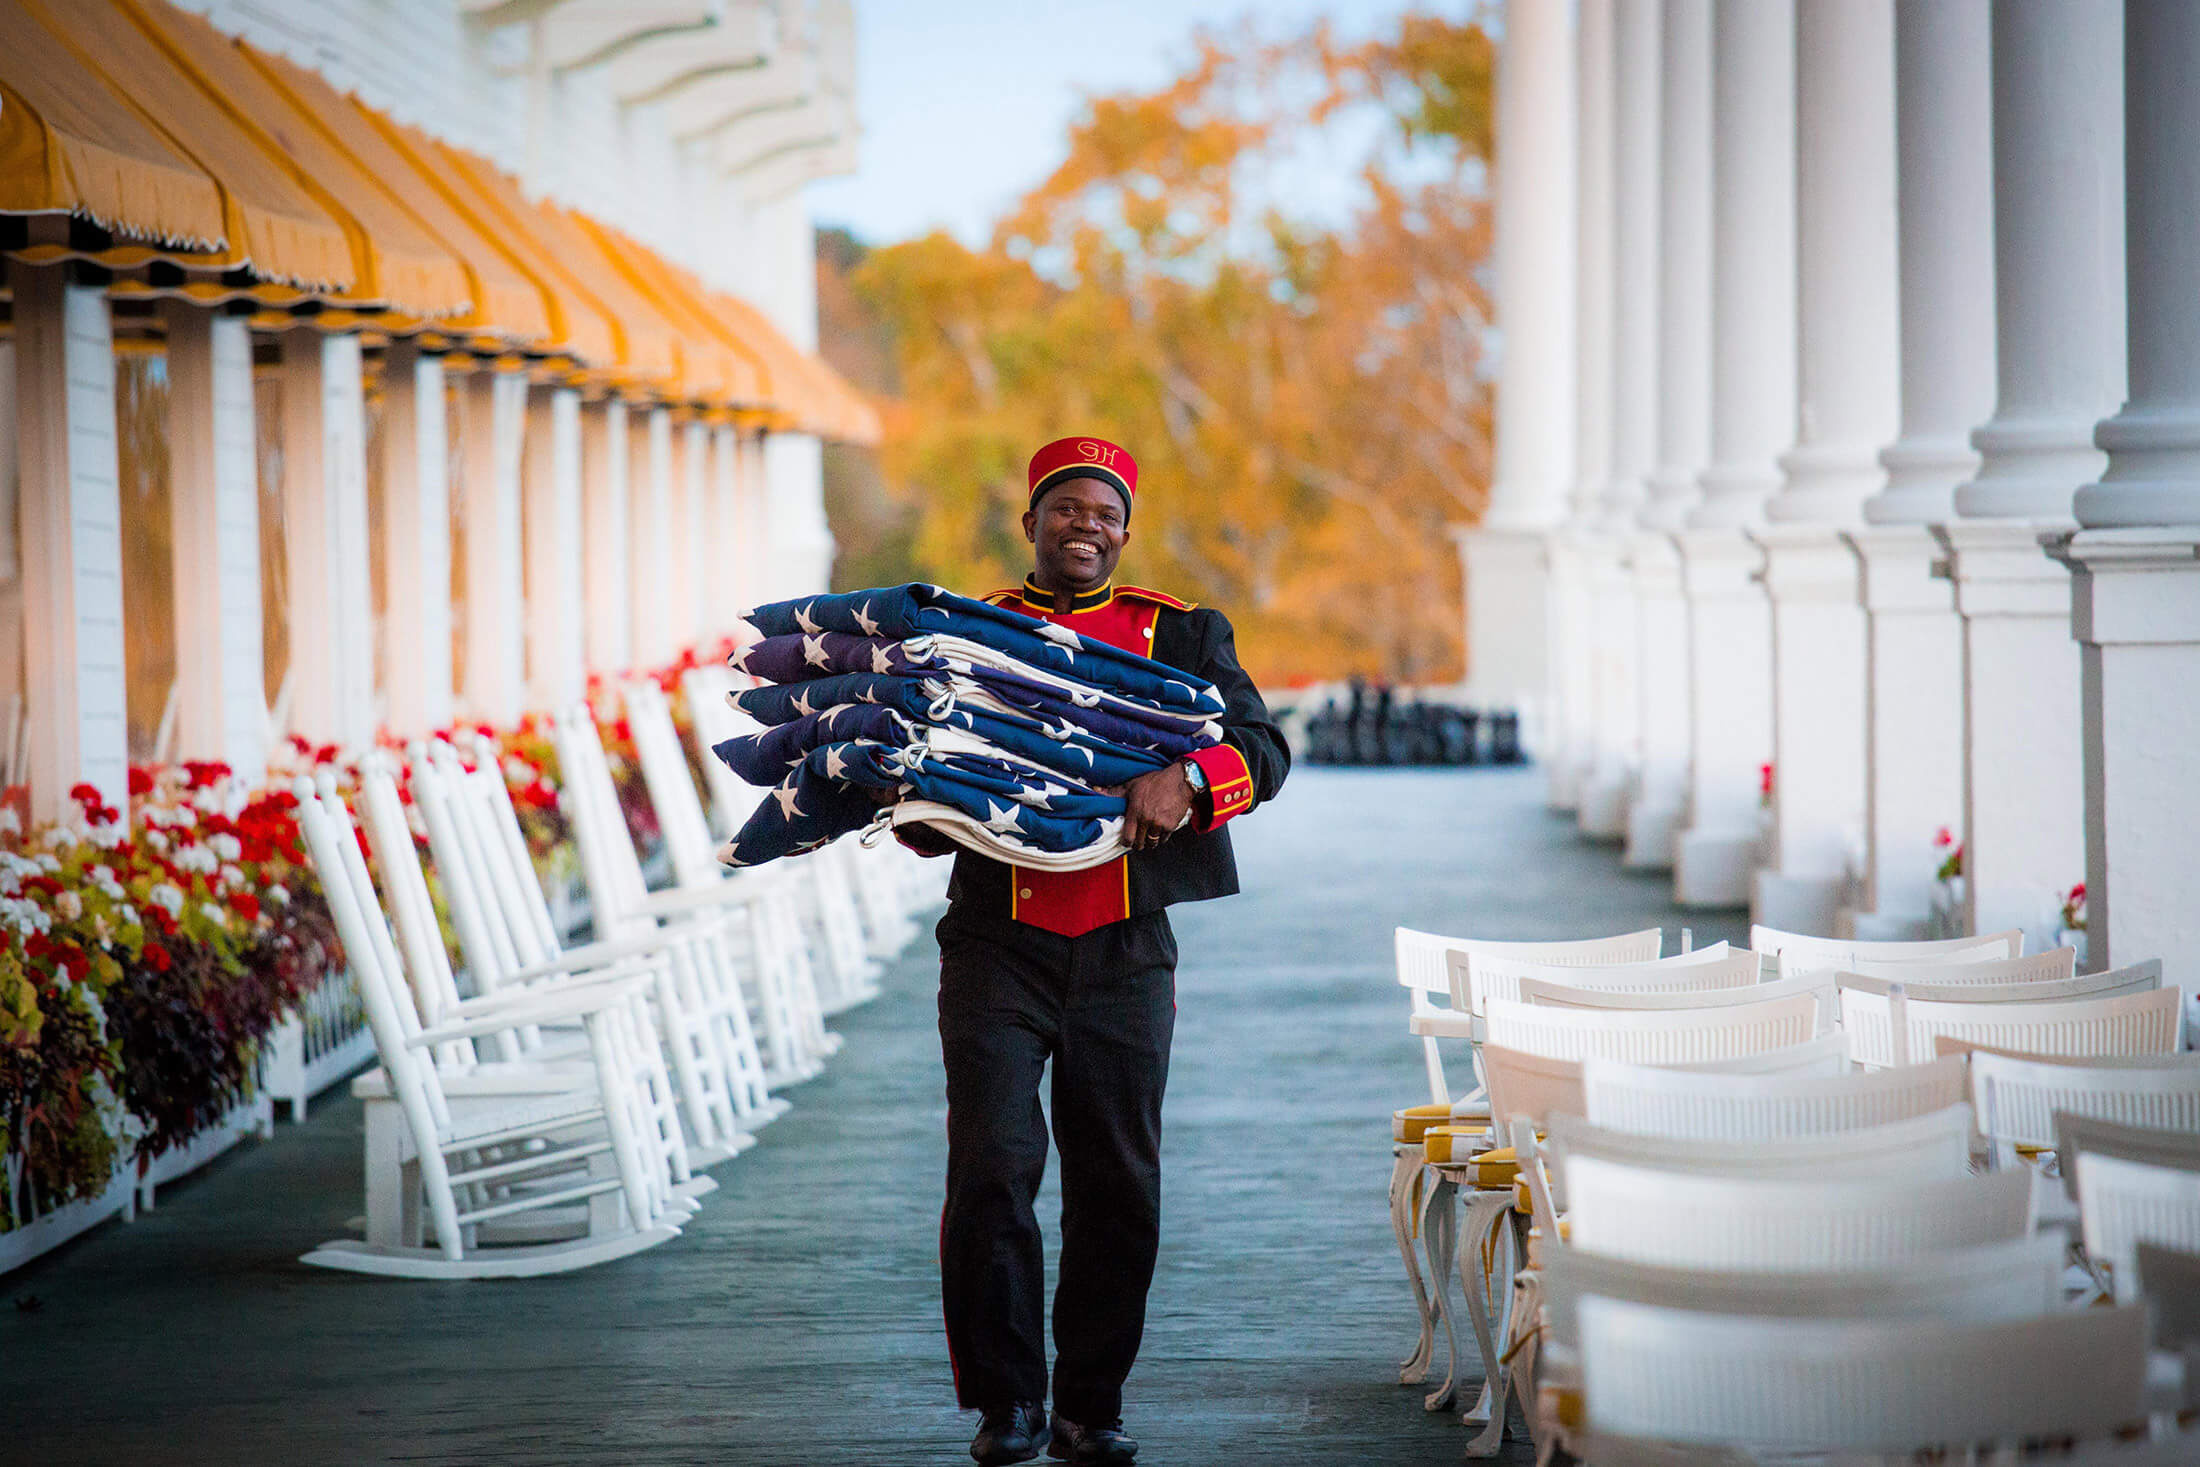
1668,1036
846,973
2076,1133
2123,1203
1678,1378
1892,1030
1799,952
1932,1147
505,928
1432,1014
1748,1223
2054,965
2017,1096
766,961
1711,969
2000,1281
550,1149
1664,1101
2138,978
1538,1087
1560,995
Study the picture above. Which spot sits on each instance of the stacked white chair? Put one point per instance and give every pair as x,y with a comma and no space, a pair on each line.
2018,1096
1665,1380
1894,1028
1691,1103
537,1151
2123,1202
1653,1036
1798,952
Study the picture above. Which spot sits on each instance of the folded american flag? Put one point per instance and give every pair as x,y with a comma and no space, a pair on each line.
1008,733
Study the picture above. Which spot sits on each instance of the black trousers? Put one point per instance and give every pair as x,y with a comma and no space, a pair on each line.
1103,1008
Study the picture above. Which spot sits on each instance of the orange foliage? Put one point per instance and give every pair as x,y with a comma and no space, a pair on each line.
1308,404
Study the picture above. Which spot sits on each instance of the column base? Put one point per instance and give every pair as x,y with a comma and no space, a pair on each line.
1713,868
1603,810
1652,830
1810,905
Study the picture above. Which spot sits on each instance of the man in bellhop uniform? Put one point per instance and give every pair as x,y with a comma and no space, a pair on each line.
1078,967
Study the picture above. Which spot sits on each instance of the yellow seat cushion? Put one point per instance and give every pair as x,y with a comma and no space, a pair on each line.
1454,1146
1407,1126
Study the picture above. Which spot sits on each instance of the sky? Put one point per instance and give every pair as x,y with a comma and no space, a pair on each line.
966,104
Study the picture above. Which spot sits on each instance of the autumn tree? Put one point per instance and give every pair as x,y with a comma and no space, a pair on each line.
1306,400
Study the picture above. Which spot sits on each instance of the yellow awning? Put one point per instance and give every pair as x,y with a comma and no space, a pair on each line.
719,370
69,145
397,263
646,346
506,302
269,223
829,407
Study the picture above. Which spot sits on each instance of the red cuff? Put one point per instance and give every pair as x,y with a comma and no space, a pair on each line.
1229,784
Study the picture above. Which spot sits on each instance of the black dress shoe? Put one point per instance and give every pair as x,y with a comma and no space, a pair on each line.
1016,1432
1091,1446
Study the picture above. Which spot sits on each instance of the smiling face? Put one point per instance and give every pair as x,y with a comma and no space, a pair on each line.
1077,532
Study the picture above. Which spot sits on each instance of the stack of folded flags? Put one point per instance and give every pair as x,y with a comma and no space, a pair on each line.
1000,730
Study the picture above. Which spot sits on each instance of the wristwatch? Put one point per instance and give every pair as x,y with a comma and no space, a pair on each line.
1195,777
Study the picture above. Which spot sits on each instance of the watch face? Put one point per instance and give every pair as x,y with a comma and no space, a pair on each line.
1196,776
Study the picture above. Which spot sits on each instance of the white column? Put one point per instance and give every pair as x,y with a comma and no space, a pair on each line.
1849,408
331,602
799,541
698,496
493,432
1505,557
1659,806
1914,649
727,585
2059,305
2137,602
756,523
1574,638
1617,602
71,540
649,537
416,531
214,507
604,461
1753,310
557,663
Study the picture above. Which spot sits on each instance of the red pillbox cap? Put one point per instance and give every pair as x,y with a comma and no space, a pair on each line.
1084,458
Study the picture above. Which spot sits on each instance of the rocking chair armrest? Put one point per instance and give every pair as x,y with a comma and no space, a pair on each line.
577,1002
527,994
595,955
1446,1025
693,901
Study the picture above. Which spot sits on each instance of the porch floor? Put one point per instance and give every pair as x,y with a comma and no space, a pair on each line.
796,1321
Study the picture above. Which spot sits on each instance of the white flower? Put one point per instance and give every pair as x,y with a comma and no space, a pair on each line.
10,822
214,914
157,840
102,874
48,862
195,857
230,877
128,915
226,846
69,905
185,815
167,896
108,836
278,895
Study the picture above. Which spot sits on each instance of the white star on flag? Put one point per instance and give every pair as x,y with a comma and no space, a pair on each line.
832,715
866,696
881,663
1061,732
1186,688
1041,798
785,795
802,619
729,854
813,652
1063,638
1084,700
1000,819
802,703
835,766
739,661
1110,829
863,620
